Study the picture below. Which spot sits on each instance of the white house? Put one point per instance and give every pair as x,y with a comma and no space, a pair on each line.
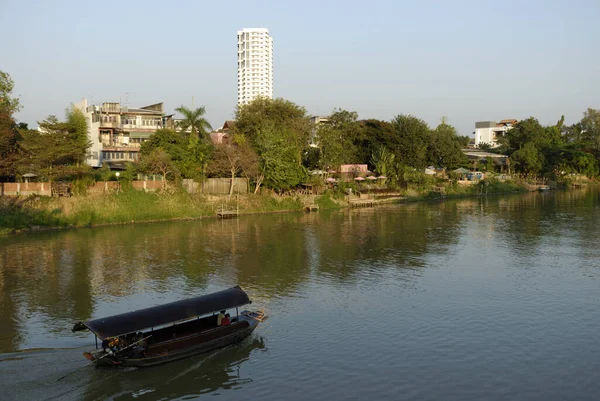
488,132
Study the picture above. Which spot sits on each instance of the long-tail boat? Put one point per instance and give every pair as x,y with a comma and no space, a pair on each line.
171,331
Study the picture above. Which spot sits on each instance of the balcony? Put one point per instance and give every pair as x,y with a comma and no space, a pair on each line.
122,147
137,126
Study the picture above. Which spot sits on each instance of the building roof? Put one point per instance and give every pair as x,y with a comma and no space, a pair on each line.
229,124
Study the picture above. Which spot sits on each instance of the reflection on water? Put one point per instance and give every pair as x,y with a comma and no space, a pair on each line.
221,370
466,281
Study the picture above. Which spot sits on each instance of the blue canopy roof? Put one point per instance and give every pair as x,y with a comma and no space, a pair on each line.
131,322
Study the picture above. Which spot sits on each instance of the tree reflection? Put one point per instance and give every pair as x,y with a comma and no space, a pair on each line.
49,280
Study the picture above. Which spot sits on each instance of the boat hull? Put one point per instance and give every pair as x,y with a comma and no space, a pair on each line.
183,348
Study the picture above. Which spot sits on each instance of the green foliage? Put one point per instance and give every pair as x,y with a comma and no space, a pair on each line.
282,115
159,162
189,154
128,175
412,140
77,127
372,134
335,147
194,121
528,159
383,160
279,131
8,103
105,173
80,186
417,178
311,157
590,129
58,149
10,148
9,134
325,202
261,203
445,148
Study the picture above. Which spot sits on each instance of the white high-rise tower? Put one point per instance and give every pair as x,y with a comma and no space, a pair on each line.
255,64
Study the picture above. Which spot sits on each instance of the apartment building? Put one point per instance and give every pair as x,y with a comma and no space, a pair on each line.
255,64
117,132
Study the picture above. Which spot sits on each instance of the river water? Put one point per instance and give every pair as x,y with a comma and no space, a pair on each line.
493,298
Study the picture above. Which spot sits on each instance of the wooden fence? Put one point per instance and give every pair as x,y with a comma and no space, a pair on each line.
218,186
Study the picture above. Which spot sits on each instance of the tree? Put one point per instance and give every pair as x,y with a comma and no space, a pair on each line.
282,115
525,131
9,135
528,159
336,138
573,133
8,103
279,131
190,155
372,135
590,129
383,160
233,159
77,127
57,149
281,163
412,138
9,145
335,147
444,149
159,162
193,121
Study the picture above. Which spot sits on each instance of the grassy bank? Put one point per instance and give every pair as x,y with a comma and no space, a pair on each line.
35,212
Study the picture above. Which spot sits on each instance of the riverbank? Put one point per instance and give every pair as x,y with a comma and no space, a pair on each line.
36,213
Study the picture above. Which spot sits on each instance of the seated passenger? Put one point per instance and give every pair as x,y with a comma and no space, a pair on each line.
220,317
226,321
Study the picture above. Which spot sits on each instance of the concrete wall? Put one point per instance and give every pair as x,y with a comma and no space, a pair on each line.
24,188
211,186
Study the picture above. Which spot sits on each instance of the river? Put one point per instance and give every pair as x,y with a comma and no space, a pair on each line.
494,298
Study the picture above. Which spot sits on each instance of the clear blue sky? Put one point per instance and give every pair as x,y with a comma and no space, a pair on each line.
466,60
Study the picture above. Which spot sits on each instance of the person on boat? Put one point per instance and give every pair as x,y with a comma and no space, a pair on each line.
220,317
226,320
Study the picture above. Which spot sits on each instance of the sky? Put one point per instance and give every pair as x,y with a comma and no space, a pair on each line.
464,60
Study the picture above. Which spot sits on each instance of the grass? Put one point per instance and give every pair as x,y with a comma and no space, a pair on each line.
325,202
268,203
125,207
26,213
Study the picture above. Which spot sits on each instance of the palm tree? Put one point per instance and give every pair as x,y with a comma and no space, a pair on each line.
193,120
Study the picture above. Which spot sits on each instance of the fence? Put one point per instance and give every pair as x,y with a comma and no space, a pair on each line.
211,186
218,186
24,188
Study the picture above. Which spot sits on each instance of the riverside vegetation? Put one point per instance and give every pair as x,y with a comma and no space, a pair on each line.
274,145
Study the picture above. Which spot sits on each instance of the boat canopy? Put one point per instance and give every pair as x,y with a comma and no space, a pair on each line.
184,309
